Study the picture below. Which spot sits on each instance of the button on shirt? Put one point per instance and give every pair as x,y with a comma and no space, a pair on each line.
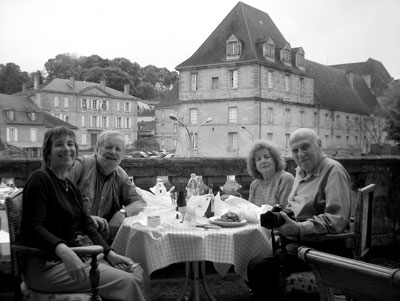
321,199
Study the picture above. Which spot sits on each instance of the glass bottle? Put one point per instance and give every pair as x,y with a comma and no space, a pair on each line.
192,188
210,209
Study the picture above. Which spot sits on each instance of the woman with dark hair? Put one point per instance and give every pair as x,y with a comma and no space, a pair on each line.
54,220
271,184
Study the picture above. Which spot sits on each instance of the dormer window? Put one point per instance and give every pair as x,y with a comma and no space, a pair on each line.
10,115
269,50
300,62
233,48
285,54
32,116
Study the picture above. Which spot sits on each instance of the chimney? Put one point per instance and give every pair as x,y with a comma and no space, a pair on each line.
36,81
126,89
103,83
23,87
349,76
72,82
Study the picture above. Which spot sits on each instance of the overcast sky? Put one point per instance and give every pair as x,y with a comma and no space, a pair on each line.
164,33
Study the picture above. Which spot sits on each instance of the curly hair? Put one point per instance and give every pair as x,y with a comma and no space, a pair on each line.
51,135
276,155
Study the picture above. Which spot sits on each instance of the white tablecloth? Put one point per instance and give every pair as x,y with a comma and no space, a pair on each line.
173,242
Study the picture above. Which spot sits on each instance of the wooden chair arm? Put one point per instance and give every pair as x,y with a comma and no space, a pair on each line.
88,250
85,250
328,236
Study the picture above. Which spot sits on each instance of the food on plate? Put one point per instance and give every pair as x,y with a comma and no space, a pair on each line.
229,217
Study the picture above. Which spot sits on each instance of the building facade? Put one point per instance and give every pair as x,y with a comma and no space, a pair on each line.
247,77
91,107
22,124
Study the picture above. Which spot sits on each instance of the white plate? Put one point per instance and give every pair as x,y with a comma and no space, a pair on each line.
214,220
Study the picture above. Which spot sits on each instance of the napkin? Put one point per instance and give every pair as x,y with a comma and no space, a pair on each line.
160,198
245,209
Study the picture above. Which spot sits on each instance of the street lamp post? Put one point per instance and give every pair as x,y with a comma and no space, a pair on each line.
191,137
248,132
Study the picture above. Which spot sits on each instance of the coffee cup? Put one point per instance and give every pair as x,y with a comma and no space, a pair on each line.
153,220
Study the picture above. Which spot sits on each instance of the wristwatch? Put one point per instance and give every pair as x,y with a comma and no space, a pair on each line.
123,211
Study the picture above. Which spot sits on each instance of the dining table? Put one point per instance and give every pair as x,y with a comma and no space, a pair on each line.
175,241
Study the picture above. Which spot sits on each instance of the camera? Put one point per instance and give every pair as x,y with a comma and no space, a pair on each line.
273,219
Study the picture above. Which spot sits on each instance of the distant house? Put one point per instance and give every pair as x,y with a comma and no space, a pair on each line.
22,124
92,107
147,105
166,130
254,85
146,115
146,129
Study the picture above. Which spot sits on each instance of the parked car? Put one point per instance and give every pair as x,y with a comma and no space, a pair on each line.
138,154
169,156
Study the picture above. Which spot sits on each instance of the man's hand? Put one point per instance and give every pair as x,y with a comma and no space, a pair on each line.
116,222
290,227
101,223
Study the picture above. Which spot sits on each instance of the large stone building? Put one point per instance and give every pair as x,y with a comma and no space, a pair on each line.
254,85
91,107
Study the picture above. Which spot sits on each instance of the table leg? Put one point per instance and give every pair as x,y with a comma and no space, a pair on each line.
192,271
204,282
187,274
196,281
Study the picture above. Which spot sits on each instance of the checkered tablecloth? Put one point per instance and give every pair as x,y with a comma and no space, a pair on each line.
156,248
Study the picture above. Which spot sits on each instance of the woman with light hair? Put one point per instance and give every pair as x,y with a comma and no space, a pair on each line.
272,184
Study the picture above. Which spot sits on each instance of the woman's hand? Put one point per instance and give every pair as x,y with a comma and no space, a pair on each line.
73,264
121,262
100,223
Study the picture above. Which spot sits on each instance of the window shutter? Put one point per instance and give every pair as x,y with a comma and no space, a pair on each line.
117,106
107,120
8,134
16,135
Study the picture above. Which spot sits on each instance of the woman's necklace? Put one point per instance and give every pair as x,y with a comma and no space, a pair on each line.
66,185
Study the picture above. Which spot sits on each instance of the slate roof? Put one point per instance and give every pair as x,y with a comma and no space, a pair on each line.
333,90
52,121
146,126
59,85
171,100
380,77
21,105
251,26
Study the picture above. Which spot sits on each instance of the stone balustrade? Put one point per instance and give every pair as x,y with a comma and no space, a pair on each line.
383,171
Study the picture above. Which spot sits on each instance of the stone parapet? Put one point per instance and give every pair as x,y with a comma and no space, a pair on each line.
383,171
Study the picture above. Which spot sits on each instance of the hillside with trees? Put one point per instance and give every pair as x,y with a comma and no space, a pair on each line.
149,82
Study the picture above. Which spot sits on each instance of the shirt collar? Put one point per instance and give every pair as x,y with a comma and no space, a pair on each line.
100,171
315,172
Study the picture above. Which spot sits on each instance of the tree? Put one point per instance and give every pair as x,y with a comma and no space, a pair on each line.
146,90
133,69
392,105
63,66
12,78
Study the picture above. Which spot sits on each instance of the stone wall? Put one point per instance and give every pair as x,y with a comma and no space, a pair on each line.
384,172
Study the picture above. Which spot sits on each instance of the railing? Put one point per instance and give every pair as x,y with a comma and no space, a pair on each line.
382,171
